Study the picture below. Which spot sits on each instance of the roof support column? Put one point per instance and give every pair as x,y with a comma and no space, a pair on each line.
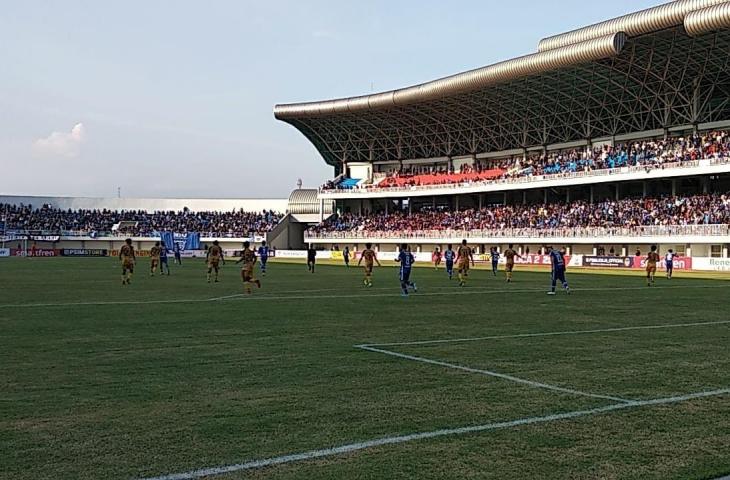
321,210
618,191
674,187
591,197
410,205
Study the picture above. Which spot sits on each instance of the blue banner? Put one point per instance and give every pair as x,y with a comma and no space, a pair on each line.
192,241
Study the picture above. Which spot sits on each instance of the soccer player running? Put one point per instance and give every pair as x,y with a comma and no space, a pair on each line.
154,258
128,259
509,256
557,260
164,266
406,260
214,257
370,259
263,256
436,258
669,263
248,257
449,256
494,254
311,258
464,258
346,256
651,261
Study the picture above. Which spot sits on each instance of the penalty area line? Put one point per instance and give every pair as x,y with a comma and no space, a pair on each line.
490,373
545,334
394,440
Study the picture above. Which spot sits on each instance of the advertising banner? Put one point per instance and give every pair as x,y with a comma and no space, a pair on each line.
4,252
84,252
46,238
604,261
680,263
712,264
36,252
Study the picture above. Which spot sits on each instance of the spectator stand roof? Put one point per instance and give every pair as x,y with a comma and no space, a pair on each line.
651,70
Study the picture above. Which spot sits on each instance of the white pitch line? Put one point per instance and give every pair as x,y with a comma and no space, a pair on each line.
354,447
490,373
254,297
544,334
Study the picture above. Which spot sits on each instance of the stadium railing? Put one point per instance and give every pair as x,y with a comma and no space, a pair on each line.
722,160
719,230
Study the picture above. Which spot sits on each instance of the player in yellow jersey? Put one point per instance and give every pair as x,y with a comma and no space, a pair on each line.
214,257
128,259
248,257
509,257
464,258
651,260
155,258
370,259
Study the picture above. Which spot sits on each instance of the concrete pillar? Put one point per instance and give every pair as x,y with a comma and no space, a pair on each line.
705,184
321,210
567,195
481,201
504,199
456,203
724,251
433,202
361,206
618,191
644,186
544,196
674,187
623,251
410,206
386,206
524,197
595,250
568,250
591,193
688,251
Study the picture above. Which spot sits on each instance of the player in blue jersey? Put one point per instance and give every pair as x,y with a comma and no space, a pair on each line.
346,256
449,258
164,266
263,257
494,254
178,255
406,260
557,260
669,263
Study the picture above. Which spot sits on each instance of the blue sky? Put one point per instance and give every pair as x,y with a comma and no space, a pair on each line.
175,98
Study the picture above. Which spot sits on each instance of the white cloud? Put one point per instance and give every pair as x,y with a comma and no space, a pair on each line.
61,144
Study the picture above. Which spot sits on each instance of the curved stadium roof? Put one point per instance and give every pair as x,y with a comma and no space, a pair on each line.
657,68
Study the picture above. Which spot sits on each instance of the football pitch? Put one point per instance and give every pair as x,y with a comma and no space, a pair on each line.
317,377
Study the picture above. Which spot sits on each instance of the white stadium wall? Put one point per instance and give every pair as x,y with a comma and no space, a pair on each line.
152,204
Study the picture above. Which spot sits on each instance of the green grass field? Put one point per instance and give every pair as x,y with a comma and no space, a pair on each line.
166,376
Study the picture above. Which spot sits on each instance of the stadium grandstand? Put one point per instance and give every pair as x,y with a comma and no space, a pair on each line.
612,138
49,226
